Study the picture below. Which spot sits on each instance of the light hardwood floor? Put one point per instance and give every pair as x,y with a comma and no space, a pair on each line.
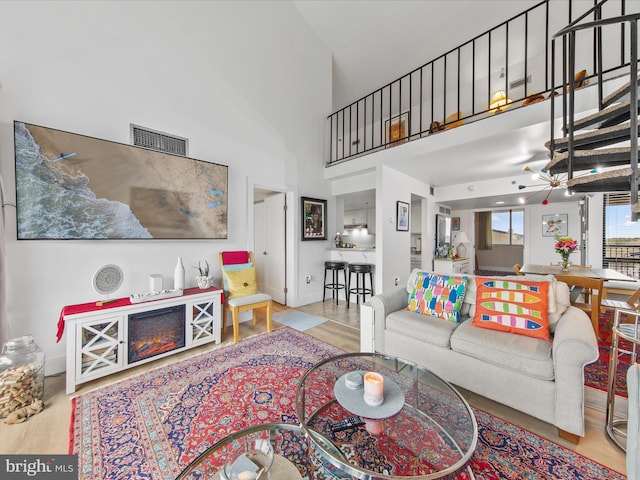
48,432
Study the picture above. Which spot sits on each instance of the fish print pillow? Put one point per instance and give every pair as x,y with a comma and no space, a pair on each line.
439,296
519,307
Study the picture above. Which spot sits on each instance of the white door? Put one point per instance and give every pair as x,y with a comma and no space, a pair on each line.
271,258
259,243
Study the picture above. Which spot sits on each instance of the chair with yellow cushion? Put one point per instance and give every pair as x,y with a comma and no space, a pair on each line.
241,289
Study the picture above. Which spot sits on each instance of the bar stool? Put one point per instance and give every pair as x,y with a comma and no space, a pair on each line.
361,270
335,267
631,333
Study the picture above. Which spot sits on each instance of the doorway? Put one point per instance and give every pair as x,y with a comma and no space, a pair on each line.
269,240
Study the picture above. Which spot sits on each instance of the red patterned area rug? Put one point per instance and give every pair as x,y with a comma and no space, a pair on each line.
596,374
152,425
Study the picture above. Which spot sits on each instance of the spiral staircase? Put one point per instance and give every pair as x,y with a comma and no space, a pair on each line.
599,152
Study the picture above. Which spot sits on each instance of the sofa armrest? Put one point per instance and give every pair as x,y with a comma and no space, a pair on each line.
574,346
383,304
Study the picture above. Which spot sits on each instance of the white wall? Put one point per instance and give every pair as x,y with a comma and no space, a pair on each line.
393,186
246,82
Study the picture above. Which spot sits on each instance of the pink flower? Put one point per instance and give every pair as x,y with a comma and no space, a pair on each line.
565,245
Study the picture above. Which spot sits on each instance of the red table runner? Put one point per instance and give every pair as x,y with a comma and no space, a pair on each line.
120,302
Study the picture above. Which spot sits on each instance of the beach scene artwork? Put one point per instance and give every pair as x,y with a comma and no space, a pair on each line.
71,186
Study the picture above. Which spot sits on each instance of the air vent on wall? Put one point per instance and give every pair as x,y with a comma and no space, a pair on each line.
160,141
520,81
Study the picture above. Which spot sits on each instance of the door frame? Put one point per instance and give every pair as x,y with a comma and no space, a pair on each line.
290,277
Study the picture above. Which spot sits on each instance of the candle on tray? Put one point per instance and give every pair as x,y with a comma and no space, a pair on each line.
373,389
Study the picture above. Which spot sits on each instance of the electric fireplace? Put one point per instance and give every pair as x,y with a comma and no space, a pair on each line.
155,332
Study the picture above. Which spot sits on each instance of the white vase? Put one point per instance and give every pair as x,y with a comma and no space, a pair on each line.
178,275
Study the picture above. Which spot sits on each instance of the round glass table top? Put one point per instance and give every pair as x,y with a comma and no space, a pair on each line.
432,435
295,457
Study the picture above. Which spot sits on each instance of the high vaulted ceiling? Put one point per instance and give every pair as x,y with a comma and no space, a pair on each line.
375,42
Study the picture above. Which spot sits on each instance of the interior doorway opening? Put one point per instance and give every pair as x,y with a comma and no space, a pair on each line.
270,219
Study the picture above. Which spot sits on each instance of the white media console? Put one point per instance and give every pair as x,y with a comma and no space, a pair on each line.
105,341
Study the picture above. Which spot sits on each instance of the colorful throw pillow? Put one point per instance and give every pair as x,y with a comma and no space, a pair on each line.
438,295
241,282
232,268
512,306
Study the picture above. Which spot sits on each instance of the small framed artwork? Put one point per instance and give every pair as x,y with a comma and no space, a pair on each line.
556,224
314,219
396,130
455,223
402,216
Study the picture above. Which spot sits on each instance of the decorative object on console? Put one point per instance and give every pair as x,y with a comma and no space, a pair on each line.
565,246
314,219
459,240
155,282
178,275
203,278
155,295
402,216
107,280
515,307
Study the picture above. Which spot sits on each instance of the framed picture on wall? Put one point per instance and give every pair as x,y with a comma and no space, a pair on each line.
314,219
555,224
455,223
402,216
396,130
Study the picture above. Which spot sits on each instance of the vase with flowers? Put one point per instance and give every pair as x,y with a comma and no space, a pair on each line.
565,246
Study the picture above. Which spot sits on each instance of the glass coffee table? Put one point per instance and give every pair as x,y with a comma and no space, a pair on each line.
423,429
295,457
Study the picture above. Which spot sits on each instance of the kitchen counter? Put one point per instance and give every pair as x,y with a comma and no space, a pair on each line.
356,249
353,255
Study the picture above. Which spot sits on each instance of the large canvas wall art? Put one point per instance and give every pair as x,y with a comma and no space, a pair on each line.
71,186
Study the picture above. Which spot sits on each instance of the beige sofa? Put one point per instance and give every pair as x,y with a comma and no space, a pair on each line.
543,379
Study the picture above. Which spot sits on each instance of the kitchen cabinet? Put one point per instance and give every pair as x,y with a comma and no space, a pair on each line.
371,221
355,217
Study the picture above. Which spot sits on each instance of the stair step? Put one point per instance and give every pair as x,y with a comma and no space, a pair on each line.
617,94
588,159
617,180
594,138
613,115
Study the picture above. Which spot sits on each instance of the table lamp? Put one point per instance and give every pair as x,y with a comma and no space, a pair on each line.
459,241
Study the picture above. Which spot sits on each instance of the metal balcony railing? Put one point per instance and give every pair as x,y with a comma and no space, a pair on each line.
623,258
515,58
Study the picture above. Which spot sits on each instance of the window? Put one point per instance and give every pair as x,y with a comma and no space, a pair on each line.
621,236
507,227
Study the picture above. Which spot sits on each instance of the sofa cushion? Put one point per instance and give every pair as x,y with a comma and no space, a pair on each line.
431,330
438,295
531,356
512,306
